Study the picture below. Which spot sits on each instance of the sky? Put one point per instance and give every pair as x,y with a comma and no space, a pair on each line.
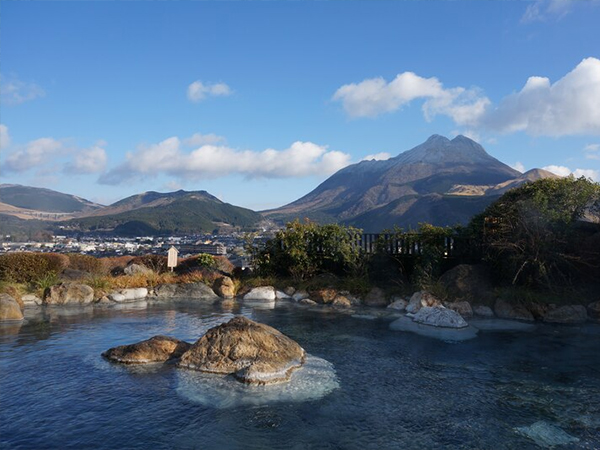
258,102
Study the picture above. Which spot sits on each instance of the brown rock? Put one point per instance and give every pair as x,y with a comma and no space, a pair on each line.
9,308
462,307
253,352
341,302
324,296
420,299
307,301
375,297
155,349
569,314
224,287
68,293
505,310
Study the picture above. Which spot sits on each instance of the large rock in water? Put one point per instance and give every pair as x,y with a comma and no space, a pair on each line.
68,294
569,314
420,299
262,293
505,310
188,290
253,352
440,317
9,308
224,287
155,349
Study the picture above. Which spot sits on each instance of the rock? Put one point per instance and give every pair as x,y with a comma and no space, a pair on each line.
461,307
155,349
128,295
341,301
569,314
31,299
188,290
9,308
539,310
420,299
134,269
593,310
263,293
467,282
68,293
398,304
324,296
289,291
300,295
280,295
307,301
375,297
483,311
505,310
439,317
74,275
224,287
253,352
445,334
546,435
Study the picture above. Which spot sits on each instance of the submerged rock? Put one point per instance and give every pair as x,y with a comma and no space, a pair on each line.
445,334
262,293
546,435
307,301
9,308
440,317
155,349
569,314
68,293
505,310
253,352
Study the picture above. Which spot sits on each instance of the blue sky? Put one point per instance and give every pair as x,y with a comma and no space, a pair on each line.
258,102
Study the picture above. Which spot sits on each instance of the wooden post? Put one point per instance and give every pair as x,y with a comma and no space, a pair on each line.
172,258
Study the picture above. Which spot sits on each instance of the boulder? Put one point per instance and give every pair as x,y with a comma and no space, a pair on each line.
74,275
253,352
341,301
569,314
461,307
128,295
289,291
593,310
224,287
375,297
420,299
9,308
324,296
467,282
68,293
31,299
134,269
307,301
505,310
155,349
539,310
398,304
300,295
280,295
187,291
439,317
263,293
483,311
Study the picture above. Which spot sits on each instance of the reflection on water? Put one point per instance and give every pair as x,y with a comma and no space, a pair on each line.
366,386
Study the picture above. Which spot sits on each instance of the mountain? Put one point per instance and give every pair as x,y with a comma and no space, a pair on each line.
166,213
28,202
442,181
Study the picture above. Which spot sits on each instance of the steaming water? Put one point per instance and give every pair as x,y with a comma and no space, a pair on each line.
365,386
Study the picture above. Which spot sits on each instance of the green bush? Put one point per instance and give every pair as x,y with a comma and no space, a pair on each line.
23,267
206,261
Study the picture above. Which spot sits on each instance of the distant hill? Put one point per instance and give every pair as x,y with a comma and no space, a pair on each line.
26,200
442,181
166,213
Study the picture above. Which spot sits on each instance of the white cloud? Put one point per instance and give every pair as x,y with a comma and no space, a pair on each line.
569,106
592,151
86,161
565,172
198,139
36,153
542,10
198,90
382,156
211,161
519,166
13,91
4,137
375,96
172,185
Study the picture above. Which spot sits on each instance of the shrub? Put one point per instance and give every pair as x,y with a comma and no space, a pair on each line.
23,267
48,280
207,261
85,263
157,263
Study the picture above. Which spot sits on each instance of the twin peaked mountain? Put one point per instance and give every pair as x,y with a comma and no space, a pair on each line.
442,181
